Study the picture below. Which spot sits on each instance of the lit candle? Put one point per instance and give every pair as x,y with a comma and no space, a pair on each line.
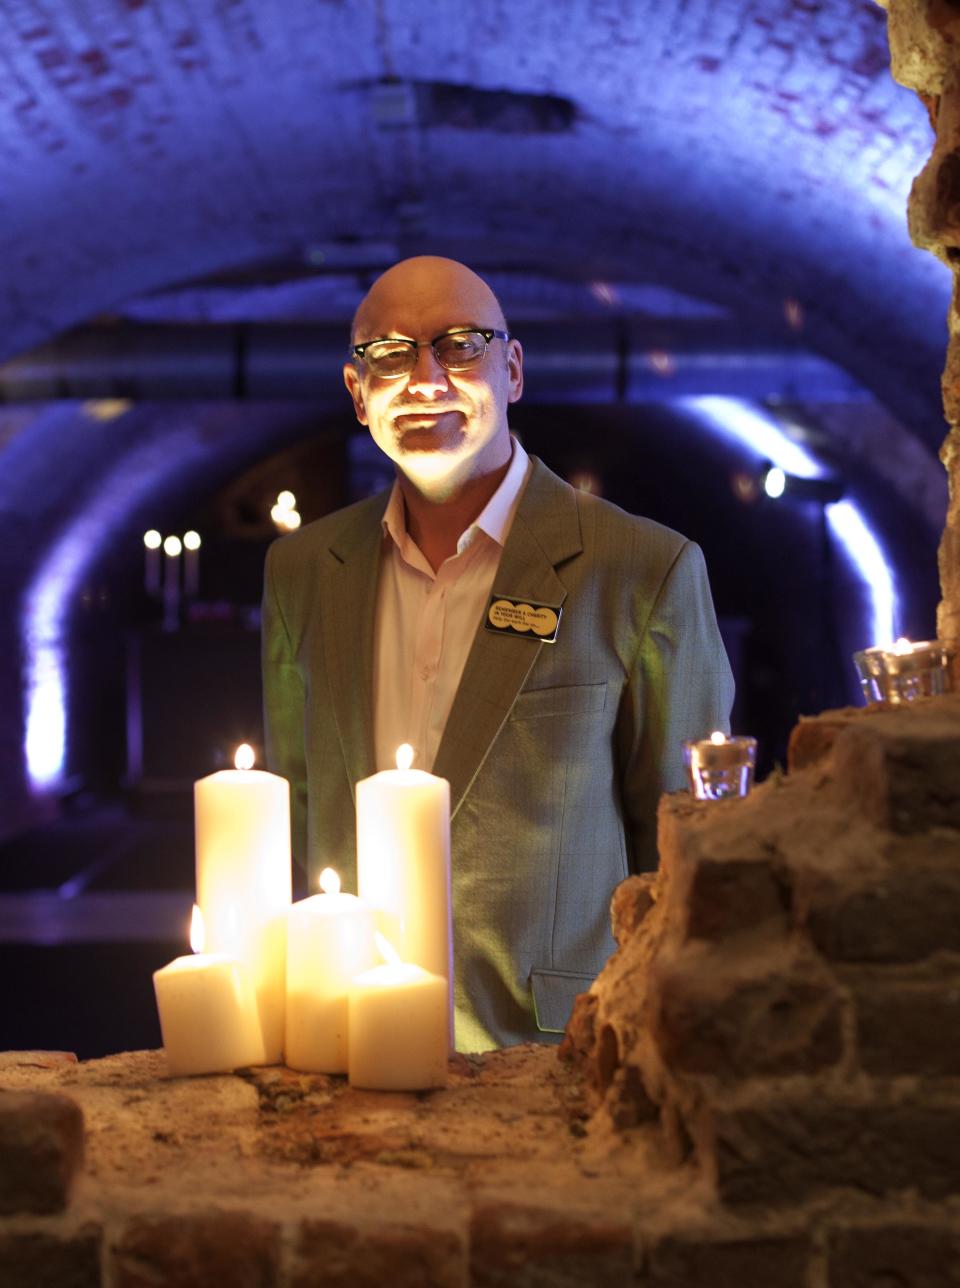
151,569
171,583
208,1011
244,883
403,862
329,941
719,766
904,671
398,1027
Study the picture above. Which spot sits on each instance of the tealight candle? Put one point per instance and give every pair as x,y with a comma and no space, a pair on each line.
719,766
244,879
403,861
397,1027
208,1011
904,671
329,941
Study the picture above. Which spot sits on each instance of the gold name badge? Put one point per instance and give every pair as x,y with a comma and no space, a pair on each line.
537,622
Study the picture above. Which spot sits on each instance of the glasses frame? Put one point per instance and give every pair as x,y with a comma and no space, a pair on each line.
488,333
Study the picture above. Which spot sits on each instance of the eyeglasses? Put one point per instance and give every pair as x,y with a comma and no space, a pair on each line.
454,350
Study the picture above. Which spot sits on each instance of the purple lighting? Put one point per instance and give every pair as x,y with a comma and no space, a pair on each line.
766,441
48,599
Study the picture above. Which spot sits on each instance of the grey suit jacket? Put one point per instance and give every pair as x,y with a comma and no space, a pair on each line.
556,753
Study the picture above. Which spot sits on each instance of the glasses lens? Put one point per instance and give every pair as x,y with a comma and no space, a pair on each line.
390,358
462,349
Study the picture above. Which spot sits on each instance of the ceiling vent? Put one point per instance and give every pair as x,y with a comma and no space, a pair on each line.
440,104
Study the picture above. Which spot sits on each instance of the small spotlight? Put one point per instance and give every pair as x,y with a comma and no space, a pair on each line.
106,409
286,501
745,487
824,491
662,362
774,481
191,540
172,547
605,292
152,539
793,314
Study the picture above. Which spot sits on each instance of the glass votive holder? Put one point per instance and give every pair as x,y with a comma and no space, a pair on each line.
904,671
719,766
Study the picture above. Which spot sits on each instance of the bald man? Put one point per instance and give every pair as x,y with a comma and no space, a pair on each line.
541,649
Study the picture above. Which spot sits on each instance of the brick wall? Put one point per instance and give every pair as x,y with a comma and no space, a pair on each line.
784,1005
761,1089
925,49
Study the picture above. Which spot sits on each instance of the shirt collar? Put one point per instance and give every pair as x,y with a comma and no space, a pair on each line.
495,519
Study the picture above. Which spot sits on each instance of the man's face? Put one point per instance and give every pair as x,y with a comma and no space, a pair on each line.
439,427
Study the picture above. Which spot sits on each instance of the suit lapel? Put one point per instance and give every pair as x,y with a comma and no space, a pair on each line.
352,568
545,532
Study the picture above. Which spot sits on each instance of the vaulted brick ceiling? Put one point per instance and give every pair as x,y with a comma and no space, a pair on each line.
741,153
737,166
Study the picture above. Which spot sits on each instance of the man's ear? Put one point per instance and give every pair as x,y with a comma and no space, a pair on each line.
514,370
351,378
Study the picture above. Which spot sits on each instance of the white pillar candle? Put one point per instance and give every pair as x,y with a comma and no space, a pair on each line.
208,1011
244,882
398,1028
151,571
191,563
403,862
171,583
329,941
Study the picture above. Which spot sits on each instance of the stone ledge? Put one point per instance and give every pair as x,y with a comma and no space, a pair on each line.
907,1018
901,768
773,1012
898,902
41,1150
197,1249
507,1240
782,1150
50,1258
920,1253
705,1262
338,1254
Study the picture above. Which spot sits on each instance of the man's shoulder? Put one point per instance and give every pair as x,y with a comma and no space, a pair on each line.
635,527
601,520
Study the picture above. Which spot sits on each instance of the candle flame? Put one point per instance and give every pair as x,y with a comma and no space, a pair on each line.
404,756
197,932
718,737
244,758
902,646
329,881
387,950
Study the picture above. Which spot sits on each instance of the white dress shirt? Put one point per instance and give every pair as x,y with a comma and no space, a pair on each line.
426,621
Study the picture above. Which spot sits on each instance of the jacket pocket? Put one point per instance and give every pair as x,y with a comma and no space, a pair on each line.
553,996
568,700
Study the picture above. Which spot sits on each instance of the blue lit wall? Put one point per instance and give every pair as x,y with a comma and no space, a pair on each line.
740,161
